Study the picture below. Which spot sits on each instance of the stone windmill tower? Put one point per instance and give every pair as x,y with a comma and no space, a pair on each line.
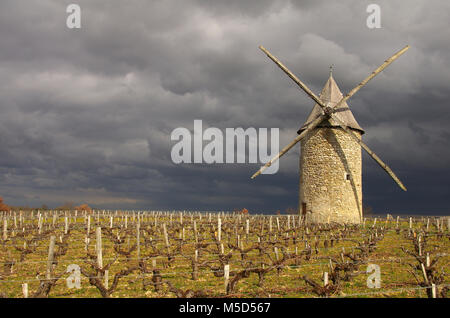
330,160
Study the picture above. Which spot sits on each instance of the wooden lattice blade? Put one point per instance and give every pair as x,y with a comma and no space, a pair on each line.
291,75
311,126
370,152
372,75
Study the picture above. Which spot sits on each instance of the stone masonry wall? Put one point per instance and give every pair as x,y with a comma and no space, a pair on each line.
330,176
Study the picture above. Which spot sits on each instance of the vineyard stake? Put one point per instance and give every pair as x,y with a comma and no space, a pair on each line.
419,239
66,224
424,273
88,228
138,240
40,224
25,290
325,279
98,247
5,229
195,232
166,238
106,278
51,252
433,290
226,275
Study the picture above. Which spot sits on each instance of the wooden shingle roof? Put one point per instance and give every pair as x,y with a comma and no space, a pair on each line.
330,96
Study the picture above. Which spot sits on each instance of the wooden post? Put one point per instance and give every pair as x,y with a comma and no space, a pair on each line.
419,241
126,221
88,227
219,229
40,224
325,279
5,229
396,226
106,279
410,222
195,266
270,224
50,258
226,275
25,290
278,224
138,239
433,290
98,247
195,232
166,237
66,225
425,277
110,222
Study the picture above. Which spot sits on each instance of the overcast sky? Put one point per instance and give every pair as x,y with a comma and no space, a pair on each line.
86,114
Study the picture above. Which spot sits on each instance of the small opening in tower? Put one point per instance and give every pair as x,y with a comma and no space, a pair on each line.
347,176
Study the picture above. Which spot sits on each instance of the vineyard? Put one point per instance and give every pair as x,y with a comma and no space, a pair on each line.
201,254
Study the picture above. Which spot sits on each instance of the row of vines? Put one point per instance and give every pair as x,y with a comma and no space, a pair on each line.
193,254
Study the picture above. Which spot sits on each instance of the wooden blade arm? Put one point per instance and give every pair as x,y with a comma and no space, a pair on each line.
351,93
369,151
372,75
292,76
311,126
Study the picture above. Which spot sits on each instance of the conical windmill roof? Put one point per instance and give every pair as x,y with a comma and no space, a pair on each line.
330,96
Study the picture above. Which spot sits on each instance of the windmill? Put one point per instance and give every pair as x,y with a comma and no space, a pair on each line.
330,160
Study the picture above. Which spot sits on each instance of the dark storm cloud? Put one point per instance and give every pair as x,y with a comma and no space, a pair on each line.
86,115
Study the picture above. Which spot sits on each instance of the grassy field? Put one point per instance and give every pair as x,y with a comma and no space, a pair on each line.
287,250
